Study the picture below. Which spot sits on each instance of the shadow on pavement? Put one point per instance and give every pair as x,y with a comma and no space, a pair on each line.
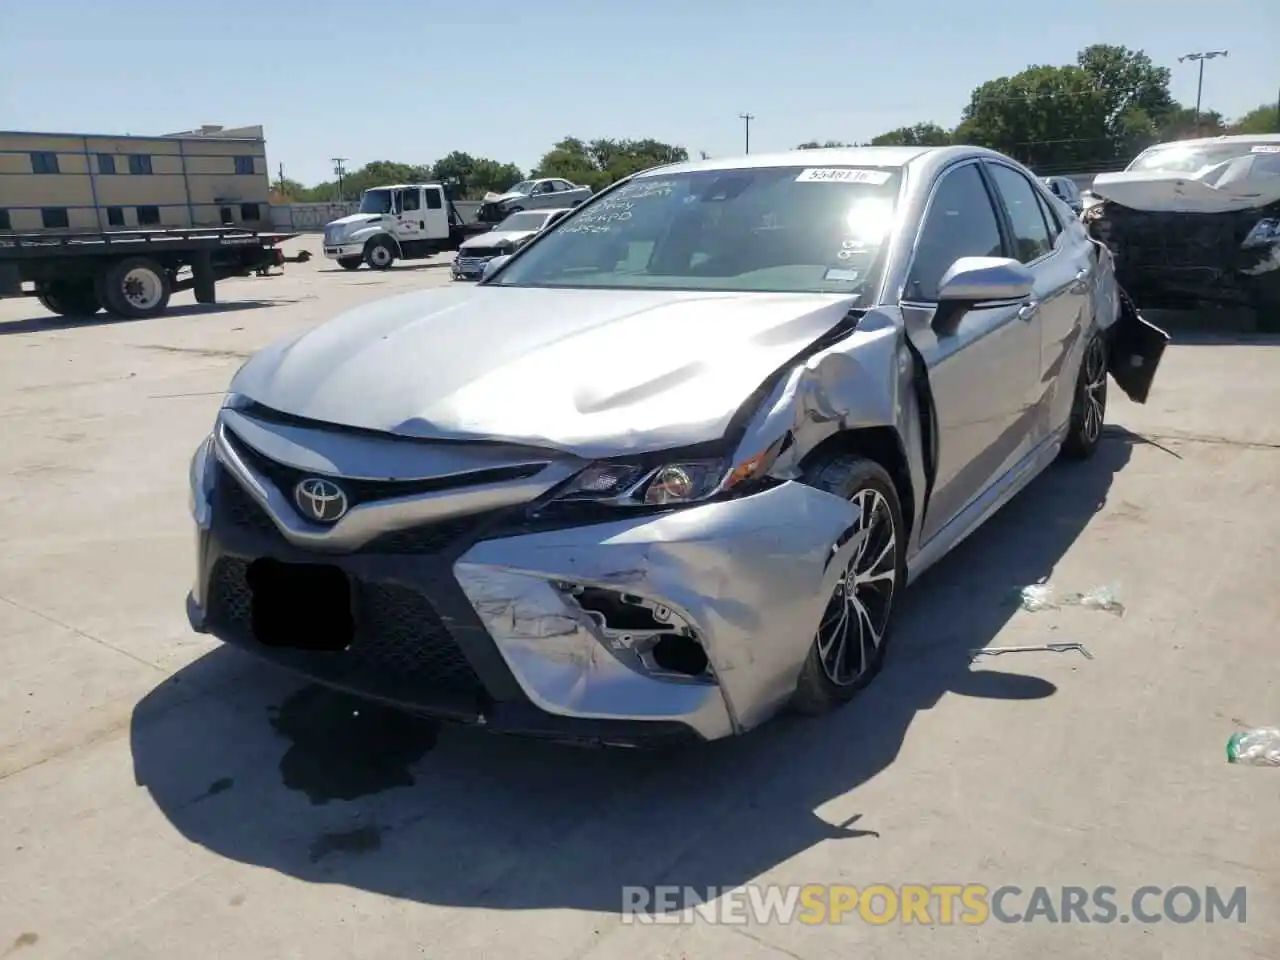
50,322
326,788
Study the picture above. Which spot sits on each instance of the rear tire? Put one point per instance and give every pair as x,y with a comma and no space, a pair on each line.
135,288
350,263
853,633
1089,407
70,298
379,254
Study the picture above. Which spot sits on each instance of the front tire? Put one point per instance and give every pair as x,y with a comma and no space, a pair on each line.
852,635
1089,407
350,263
379,254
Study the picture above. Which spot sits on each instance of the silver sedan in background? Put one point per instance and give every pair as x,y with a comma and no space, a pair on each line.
671,466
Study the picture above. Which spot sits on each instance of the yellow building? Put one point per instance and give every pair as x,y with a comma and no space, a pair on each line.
199,178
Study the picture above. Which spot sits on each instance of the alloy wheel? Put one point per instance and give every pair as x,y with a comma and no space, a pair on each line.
1093,390
857,615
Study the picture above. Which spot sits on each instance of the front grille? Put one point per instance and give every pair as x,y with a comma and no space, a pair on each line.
398,633
233,505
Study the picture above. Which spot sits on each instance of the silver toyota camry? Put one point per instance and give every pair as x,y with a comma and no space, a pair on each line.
672,466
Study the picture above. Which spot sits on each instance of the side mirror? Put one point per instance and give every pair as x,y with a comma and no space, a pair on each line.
493,266
972,281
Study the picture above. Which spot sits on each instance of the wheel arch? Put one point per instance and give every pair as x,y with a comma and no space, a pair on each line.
883,445
390,238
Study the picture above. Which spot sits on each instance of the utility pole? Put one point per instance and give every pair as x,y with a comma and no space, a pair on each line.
280,180
1201,58
746,118
338,169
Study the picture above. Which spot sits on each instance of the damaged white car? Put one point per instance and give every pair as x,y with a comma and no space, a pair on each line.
1195,221
671,466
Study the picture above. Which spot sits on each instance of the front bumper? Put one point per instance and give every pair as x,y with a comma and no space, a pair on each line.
470,266
342,251
475,621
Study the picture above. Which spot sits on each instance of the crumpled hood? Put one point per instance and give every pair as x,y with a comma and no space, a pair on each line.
502,197
594,372
495,238
1211,190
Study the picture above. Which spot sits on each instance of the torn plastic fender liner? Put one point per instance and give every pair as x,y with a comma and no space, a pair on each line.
1134,349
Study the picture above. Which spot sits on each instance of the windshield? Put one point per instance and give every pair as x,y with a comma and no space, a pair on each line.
376,201
526,220
524,186
778,229
1181,158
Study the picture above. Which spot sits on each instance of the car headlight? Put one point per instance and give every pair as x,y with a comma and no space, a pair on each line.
634,484
200,481
1263,234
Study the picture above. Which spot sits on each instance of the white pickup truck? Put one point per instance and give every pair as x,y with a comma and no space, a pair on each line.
408,221
547,193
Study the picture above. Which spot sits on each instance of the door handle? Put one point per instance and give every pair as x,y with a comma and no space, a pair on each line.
1082,277
1028,311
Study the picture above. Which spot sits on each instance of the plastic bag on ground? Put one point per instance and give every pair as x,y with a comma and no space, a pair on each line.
1036,597
1099,598
1256,748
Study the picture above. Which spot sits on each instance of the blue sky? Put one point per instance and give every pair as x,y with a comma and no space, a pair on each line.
410,81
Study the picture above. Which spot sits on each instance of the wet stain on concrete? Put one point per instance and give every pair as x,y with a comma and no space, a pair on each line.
20,941
237,900
343,747
359,840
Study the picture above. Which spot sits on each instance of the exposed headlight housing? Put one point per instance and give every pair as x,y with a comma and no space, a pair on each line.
676,482
1263,234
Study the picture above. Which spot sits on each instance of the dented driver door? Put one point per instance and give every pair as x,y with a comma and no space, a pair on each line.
984,370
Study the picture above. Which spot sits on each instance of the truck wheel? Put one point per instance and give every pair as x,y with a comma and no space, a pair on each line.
379,254
136,288
71,298
350,263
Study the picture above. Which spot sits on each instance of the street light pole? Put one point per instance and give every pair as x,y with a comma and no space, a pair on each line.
1201,58
746,118
337,168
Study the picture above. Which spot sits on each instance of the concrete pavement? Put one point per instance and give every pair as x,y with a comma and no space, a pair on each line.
161,796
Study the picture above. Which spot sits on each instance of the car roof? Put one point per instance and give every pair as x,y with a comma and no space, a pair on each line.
1225,138
898,157
405,186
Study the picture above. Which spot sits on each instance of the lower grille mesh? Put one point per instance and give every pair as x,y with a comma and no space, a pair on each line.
397,631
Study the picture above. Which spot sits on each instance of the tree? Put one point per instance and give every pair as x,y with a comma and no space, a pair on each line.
475,175
1181,123
601,162
917,135
1127,81
1048,117
286,190
1262,119
815,145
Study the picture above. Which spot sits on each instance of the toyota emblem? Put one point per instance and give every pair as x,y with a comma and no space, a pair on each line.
322,501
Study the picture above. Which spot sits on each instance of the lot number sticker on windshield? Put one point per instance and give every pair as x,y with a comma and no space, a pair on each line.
1267,148
842,175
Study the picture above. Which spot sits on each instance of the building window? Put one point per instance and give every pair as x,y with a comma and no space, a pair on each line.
148,216
115,216
106,163
44,163
54,218
244,165
224,216
250,211
139,163
5,223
